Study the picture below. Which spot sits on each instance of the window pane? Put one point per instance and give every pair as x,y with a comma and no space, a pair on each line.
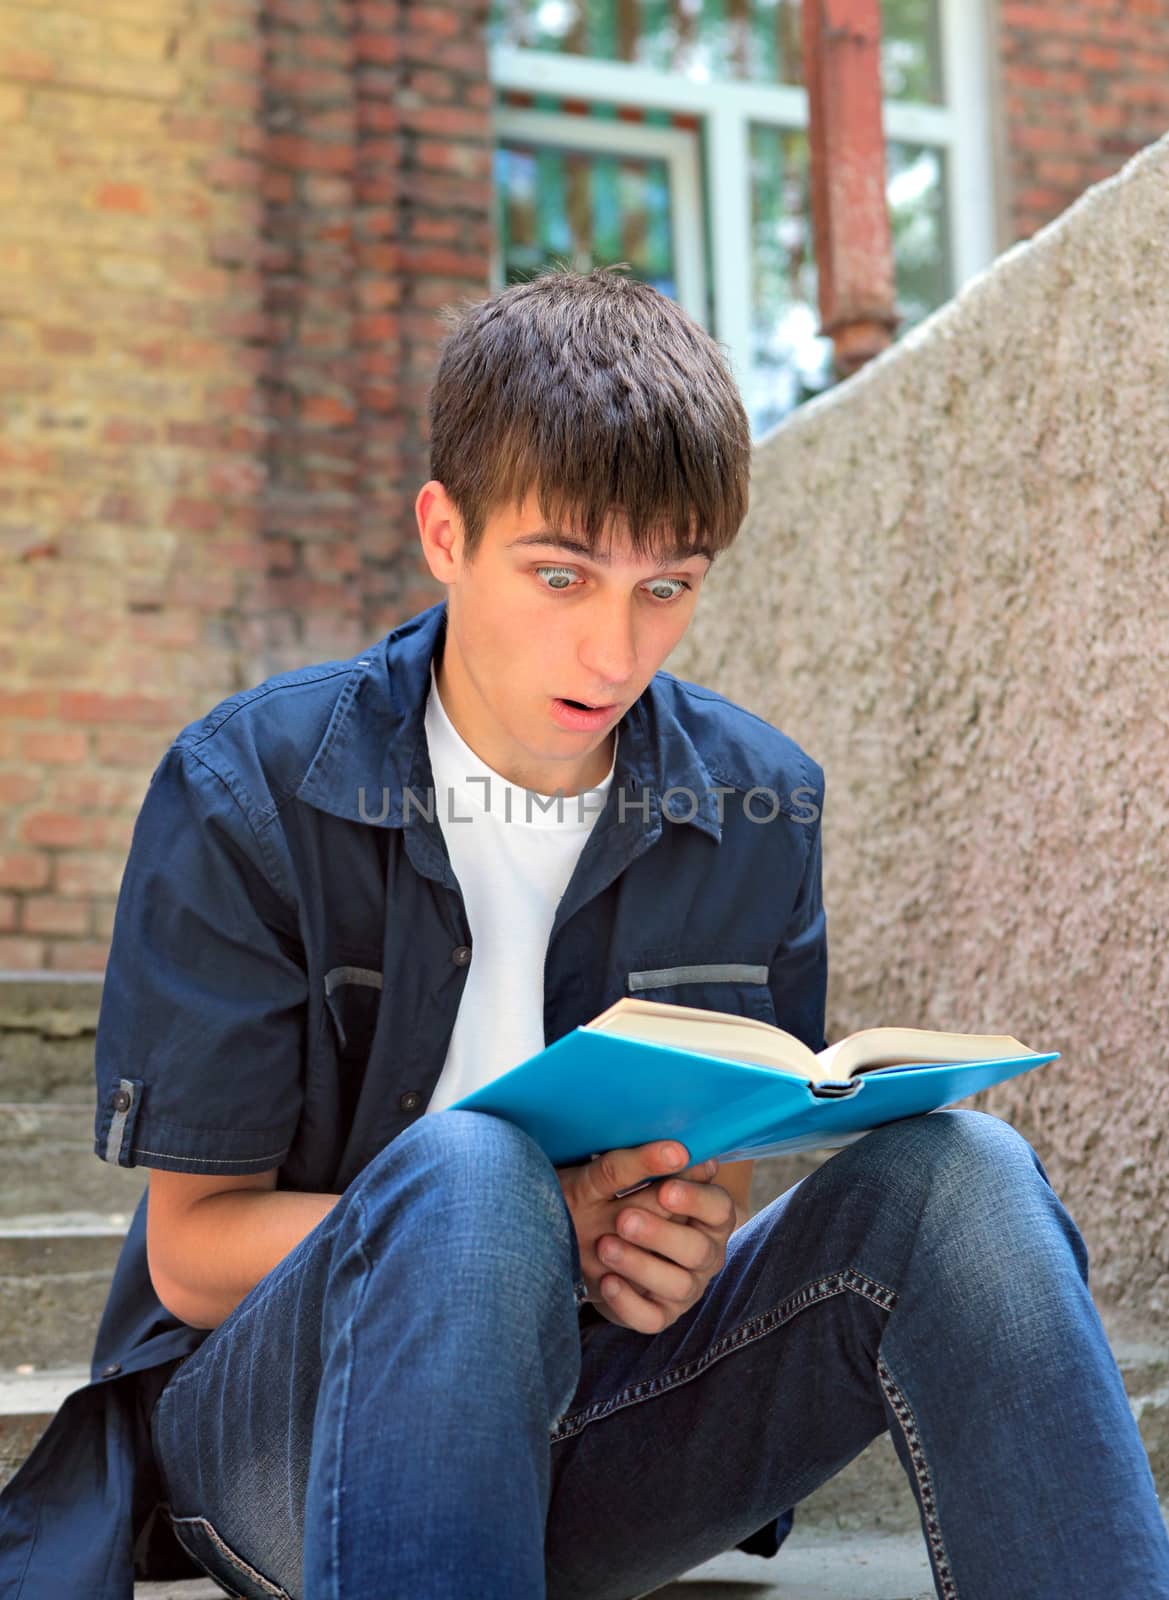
916,192
699,39
577,207
708,40
911,53
790,361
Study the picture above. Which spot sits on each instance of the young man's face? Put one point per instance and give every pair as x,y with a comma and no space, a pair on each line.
530,624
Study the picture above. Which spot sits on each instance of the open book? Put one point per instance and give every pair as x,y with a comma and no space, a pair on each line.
734,1087
734,1038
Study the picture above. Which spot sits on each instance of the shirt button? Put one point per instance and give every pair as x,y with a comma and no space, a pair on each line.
461,955
112,1370
410,1100
122,1100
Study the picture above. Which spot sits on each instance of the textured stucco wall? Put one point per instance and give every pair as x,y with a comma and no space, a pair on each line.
953,589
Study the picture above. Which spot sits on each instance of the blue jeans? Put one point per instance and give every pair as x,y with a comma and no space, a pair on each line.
414,1402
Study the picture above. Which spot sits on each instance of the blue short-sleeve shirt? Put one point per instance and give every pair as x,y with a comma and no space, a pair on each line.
288,955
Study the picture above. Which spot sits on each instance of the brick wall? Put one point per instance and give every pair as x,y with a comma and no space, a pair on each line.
1085,84
225,227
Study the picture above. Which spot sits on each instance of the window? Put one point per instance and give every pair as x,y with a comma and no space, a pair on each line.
672,134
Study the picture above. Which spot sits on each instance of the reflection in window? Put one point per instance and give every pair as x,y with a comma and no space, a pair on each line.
790,360
561,206
917,212
713,40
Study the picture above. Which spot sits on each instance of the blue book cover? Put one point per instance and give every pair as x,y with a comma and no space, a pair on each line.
593,1091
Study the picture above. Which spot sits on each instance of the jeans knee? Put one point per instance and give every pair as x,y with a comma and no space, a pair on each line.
972,1177
472,1182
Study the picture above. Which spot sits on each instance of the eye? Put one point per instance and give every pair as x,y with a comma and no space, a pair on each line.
682,587
557,572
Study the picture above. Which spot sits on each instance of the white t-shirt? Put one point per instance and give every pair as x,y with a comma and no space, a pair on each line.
513,852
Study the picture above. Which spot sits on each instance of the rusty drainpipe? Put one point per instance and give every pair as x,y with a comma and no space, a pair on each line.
853,239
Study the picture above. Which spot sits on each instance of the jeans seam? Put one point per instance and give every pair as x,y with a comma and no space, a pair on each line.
228,1553
747,1332
903,1411
343,1404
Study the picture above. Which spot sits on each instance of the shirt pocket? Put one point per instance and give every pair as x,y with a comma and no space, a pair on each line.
352,1000
737,987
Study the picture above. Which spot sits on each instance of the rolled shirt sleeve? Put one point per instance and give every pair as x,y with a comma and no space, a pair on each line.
200,1037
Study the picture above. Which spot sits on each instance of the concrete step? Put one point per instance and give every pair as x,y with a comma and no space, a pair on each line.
812,1565
871,1495
48,1021
55,1275
808,1567
46,1149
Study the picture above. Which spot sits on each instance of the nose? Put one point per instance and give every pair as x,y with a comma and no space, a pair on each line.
607,650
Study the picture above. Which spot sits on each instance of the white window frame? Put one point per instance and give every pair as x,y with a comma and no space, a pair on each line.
728,108
678,147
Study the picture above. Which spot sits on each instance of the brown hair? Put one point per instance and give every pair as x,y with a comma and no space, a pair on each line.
602,395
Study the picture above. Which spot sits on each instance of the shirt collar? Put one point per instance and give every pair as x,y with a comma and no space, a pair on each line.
374,748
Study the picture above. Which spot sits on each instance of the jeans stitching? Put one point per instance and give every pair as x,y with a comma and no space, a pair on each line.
343,1404
904,1414
766,1322
227,1552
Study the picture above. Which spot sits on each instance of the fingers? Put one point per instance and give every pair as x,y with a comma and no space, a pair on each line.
702,1199
652,1274
613,1171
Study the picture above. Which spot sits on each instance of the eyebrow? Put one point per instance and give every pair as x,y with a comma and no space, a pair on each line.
562,541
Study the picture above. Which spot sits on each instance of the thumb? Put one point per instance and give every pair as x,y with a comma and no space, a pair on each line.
613,1170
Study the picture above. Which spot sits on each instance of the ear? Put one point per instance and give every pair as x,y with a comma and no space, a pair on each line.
440,529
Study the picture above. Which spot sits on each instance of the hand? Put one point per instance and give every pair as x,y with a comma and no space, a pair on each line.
682,1240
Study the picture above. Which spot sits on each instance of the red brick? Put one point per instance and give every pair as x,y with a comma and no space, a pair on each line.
233,172
128,430
126,747
8,909
1140,93
379,47
446,122
86,874
328,409
18,788
27,703
194,435
77,955
310,83
24,869
239,94
296,13
56,828
50,914
439,21
92,706
194,516
320,47
468,58
466,160
1103,58
294,151
123,197
242,55
62,747
22,955
68,341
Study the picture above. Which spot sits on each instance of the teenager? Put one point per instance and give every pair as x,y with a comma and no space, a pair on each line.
364,1344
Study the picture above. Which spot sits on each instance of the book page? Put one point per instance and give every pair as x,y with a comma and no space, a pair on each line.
710,1033
889,1047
